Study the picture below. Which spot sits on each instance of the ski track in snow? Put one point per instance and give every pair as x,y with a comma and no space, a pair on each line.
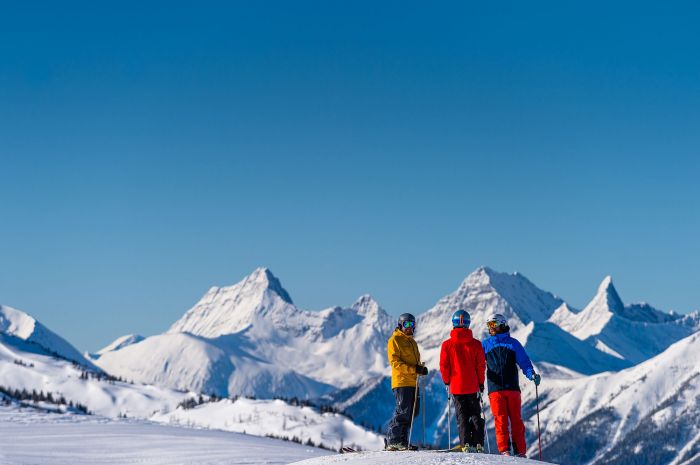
30,438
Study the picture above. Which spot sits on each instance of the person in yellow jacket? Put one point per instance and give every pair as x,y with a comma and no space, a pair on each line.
406,366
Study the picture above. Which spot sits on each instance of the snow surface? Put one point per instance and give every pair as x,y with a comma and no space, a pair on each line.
29,438
415,458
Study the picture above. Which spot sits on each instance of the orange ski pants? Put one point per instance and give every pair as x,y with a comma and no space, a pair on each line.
505,406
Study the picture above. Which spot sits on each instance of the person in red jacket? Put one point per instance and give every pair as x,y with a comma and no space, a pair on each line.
463,368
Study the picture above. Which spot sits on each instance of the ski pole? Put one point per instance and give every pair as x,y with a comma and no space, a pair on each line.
483,413
423,407
413,412
539,439
449,418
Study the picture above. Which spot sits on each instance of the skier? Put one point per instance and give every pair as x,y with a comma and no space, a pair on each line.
462,366
503,353
406,366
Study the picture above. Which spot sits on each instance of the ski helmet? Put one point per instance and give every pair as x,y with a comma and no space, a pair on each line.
497,321
406,320
460,319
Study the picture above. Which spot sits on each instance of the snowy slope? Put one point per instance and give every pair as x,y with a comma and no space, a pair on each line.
40,372
23,367
33,438
260,418
23,326
649,411
548,343
633,333
250,339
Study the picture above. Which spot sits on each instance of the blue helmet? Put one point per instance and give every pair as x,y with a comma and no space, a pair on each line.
460,319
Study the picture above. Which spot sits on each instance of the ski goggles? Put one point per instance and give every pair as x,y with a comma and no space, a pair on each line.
493,324
409,324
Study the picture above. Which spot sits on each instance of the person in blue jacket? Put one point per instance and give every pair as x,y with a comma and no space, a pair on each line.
504,354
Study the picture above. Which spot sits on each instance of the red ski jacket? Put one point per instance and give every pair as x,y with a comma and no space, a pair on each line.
462,362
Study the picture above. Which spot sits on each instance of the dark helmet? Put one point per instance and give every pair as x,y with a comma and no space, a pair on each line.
406,320
461,319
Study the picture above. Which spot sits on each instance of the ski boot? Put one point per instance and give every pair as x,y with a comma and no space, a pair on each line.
395,447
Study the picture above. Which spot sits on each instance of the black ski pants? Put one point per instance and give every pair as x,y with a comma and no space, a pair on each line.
469,421
400,423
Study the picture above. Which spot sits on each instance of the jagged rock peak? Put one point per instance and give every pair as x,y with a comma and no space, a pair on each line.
366,306
365,303
481,275
607,291
263,277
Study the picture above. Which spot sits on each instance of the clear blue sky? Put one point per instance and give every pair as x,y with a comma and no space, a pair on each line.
148,153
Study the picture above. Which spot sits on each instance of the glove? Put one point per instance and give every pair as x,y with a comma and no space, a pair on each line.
481,388
421,370
536,379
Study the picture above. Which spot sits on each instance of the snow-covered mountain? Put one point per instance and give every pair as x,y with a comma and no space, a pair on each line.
118,344
16,323
564,359
65,386
483,293
528,309
22,366
633,333
647,414
251,339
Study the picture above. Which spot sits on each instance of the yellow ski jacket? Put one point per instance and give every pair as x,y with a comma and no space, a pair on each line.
403,358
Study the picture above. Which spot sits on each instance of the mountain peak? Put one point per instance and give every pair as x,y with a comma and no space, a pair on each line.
608,294
228,310
367,306
264,277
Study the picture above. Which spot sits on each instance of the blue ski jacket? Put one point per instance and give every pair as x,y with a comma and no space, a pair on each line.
503,356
